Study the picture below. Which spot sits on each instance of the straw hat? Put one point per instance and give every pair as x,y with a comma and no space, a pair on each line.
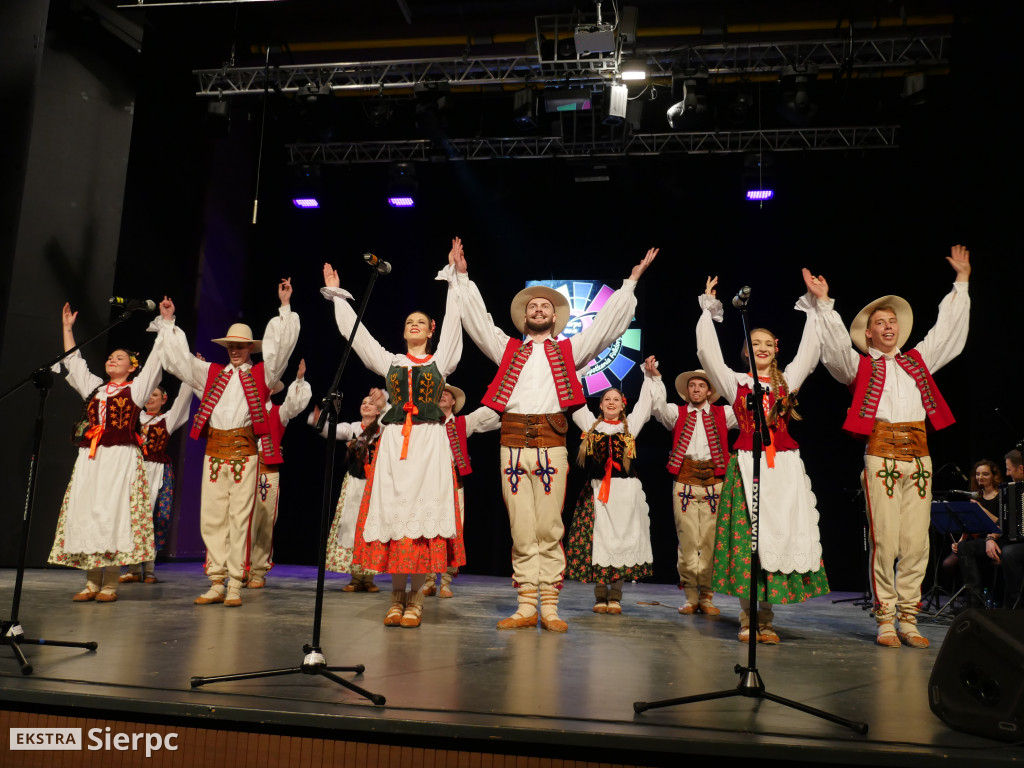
558,301
459,395
904,316
239,333
683,379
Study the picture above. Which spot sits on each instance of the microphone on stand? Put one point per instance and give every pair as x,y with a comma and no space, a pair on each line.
963,494
377,263
742,297
132,305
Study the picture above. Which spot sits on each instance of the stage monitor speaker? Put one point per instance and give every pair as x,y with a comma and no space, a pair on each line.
977,683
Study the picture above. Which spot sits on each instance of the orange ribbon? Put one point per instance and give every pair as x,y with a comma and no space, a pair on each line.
410,411
94,434
606,481
769,450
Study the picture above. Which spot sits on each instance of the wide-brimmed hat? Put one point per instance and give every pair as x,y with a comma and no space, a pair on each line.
558,301
904,316
459,395
683,379
239,333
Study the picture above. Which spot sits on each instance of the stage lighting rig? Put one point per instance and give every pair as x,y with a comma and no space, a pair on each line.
598,37
692,108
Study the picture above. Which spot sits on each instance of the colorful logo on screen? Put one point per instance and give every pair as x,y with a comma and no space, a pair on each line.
618,364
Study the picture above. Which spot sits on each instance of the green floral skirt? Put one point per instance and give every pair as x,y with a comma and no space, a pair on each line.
732,553
579,550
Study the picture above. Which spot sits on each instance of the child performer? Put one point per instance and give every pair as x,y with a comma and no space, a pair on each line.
700,451
268,484
361,437
459,428
610,536
789,548
157,428
105,520
408,521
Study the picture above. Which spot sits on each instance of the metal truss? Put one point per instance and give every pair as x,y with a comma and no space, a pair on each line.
637,144
377,77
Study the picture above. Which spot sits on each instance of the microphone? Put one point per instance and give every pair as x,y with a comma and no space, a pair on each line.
742,297
963,494
377,263
132,305
960,472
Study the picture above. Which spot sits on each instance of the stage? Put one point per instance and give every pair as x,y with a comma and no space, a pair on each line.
457,683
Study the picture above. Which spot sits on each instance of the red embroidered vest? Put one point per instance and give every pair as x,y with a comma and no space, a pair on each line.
867,392
154,440
270,443
456,430
563,373
254,386
715,428
121,421
781,439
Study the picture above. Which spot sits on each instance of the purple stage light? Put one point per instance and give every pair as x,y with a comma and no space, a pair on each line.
401,202
760,194
305,202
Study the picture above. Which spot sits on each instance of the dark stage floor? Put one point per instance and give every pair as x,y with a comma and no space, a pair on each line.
458,677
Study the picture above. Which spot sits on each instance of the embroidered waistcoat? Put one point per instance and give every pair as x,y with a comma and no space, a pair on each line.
154,441
254,385
781,439
563,374
867,393
414,390
715,428
122,419
456,429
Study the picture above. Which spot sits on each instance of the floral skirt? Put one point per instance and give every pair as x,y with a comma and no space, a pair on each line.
162,512
733,556
405,555
580,549
339,558
142,550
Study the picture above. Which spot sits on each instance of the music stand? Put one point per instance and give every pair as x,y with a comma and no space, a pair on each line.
956,518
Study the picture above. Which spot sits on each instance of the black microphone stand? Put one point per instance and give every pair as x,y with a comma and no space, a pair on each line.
314,662
13,635
864,600
751,685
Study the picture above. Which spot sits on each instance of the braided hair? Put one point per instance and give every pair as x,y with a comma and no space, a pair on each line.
592,436
785,401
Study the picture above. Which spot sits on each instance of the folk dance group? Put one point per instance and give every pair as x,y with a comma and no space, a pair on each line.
401,508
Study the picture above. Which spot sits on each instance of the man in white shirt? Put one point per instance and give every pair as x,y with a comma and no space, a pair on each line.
700,452
893,394
535,385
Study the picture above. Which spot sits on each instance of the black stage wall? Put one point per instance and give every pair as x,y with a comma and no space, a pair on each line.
873,222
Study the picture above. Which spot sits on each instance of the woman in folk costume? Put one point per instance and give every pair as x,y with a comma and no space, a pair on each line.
610,536
157,428
789,548
409,523
361,443
105,521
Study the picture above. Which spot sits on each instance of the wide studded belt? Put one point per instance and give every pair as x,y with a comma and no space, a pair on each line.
898,440
230,443
533,430
694,472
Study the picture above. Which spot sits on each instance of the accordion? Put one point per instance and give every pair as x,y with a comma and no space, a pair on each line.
1011,505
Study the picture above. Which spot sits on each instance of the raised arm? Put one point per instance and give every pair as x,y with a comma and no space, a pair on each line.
947,337
172,347
613,318
373,355
449,343
280,336
641,412
474,317
809,350
723,378
178,413
297,397
664,412
837,355
583,418
147,378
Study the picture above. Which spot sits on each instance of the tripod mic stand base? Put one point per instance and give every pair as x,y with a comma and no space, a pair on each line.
313,663
14,636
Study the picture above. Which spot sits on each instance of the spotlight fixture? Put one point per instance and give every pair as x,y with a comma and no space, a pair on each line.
633,70
305,202
692,108
403,186
598,37
617,102
797,104
759,177
524,109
